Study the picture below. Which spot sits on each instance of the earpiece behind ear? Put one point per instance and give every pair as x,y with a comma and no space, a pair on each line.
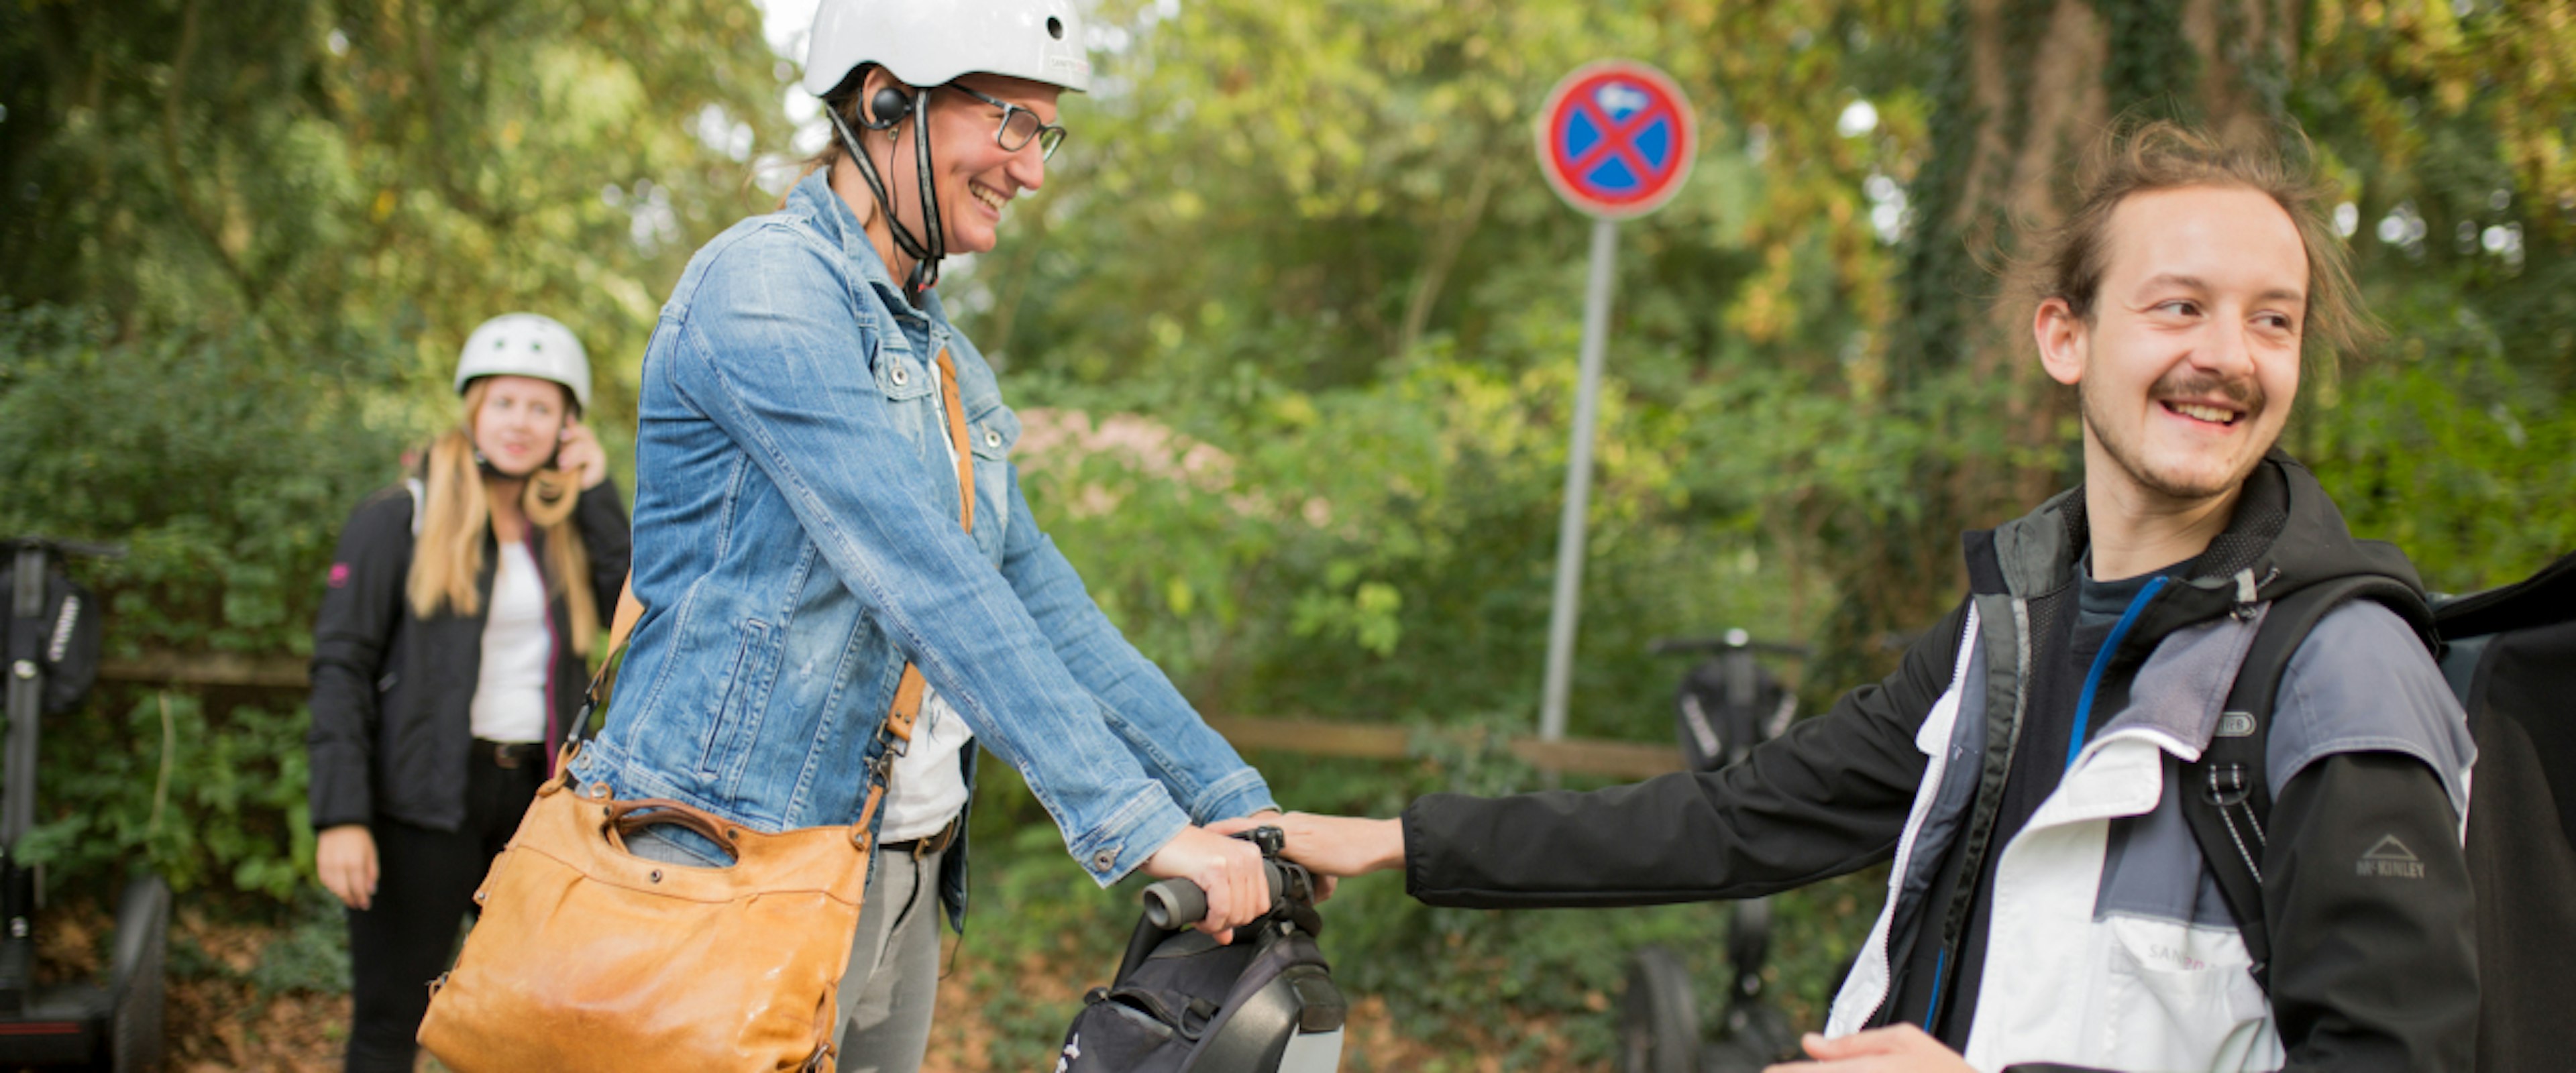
890,106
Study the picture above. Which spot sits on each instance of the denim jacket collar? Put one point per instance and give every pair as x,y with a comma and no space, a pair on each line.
814,196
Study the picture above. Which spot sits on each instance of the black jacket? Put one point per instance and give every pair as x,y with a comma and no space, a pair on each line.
2361,979
391,731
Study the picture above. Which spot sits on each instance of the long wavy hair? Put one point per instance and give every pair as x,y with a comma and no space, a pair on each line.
447,556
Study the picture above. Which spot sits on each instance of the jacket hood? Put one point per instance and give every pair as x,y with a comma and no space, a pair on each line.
2286,536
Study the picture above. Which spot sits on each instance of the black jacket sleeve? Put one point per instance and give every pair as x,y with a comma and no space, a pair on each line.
1828,797
609,541
352,650
2374,956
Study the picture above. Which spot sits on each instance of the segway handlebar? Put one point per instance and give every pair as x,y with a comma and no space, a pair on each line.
66,548
1173,904
1730,640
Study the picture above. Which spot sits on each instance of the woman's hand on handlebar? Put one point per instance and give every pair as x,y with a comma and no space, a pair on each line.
346,858
1227,869
1324,885
1330,846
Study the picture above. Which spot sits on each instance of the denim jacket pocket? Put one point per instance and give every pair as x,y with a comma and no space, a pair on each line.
735,723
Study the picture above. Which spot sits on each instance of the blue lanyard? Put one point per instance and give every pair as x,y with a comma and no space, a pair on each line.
2102,662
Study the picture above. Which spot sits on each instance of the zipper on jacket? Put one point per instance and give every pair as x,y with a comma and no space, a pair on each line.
1886,949
1982,811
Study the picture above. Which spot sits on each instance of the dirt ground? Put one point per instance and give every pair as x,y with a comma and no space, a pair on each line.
218,1021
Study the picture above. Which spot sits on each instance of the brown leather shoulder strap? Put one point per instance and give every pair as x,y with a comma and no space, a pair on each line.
907,692
621,624
958,444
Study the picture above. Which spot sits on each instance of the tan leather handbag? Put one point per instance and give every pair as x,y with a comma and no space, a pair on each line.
587,957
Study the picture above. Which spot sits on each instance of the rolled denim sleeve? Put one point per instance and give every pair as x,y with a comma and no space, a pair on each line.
1192,760
774,352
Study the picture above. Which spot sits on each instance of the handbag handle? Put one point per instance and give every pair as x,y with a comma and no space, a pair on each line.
629,817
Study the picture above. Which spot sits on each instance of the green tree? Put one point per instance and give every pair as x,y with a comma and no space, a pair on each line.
244,243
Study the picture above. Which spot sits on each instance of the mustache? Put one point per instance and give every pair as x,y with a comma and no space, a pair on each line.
2245,392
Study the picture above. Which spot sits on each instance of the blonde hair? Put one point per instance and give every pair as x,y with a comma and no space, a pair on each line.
447,555
2136,156
844,101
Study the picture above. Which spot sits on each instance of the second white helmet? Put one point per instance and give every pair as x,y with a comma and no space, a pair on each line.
930,44
526,344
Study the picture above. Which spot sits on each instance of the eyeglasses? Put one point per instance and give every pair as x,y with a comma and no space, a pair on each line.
1019,125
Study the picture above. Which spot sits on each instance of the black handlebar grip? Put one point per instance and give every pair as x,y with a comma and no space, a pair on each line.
1173,904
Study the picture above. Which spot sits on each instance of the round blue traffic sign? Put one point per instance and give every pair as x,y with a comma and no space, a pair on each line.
1616,138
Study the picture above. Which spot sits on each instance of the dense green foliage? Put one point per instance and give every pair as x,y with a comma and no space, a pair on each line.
1308,245
243,246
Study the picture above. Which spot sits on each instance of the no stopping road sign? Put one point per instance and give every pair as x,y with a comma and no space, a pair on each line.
1616,138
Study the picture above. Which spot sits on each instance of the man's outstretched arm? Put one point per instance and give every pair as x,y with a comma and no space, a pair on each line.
1828,797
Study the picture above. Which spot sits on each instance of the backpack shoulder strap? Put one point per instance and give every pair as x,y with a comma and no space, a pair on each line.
2226,795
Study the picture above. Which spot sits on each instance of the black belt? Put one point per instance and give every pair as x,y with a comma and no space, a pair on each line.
937,842
508,755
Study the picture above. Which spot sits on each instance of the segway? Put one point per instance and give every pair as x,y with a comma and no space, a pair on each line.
1728,703
53,649
1181,1003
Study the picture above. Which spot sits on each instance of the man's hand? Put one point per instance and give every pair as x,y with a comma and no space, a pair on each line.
1228,869
1269,817
346,858
1331,845
580,453
1897,1049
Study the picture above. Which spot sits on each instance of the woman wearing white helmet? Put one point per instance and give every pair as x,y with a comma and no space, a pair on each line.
833,532
448,662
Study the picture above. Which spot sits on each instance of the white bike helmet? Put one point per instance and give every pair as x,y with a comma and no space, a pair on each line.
526,344
930,44
927,44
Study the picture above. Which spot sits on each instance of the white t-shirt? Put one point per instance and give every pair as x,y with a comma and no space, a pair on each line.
930,777
510,694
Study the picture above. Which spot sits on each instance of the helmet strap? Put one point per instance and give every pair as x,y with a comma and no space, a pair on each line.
927,248
925,272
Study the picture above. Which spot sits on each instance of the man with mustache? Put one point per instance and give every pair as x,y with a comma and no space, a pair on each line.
2027,767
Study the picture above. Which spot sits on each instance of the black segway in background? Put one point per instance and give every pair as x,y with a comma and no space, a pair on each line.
1181,1003
1728,704
53,650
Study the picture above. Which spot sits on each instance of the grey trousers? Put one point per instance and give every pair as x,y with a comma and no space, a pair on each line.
892,983
893,979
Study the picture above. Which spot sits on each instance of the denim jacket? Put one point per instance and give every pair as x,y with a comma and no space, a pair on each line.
797,540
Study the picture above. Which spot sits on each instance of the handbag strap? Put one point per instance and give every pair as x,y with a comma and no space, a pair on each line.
621,626
895,734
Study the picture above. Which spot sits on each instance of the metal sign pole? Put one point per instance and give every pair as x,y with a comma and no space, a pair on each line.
1578,485
1615,139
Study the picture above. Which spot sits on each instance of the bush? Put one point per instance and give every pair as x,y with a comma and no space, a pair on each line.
225,464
